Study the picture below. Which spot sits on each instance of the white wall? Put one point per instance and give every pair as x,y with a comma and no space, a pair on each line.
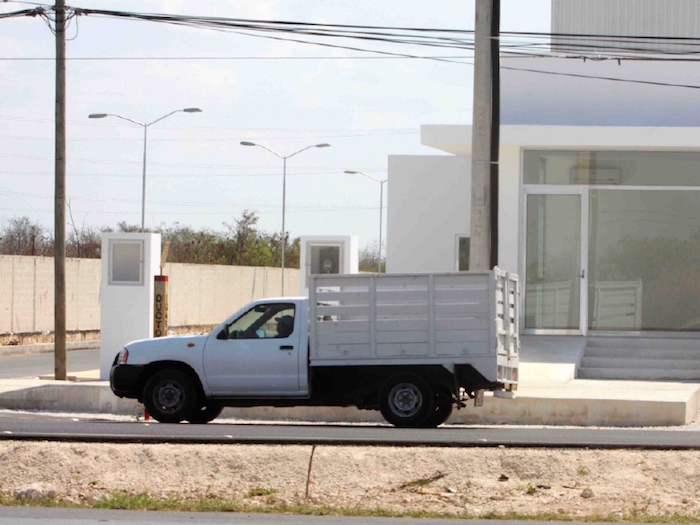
509,208
428,206
575,95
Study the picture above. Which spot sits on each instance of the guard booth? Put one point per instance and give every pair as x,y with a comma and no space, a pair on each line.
130,261
327,254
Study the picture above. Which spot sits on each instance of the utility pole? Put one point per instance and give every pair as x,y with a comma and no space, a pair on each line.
59,249
495,123
483,253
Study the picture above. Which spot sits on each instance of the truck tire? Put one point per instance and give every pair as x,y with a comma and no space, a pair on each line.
170,396
442,410
406,400
206,414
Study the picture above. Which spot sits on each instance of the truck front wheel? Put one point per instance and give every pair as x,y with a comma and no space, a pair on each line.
170,396
406,400
206,414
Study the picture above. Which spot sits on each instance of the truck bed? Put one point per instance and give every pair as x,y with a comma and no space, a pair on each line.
437,318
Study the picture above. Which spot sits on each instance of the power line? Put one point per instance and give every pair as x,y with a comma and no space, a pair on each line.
266,58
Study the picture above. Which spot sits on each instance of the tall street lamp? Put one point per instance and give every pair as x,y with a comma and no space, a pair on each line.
381,210
284,187
145,127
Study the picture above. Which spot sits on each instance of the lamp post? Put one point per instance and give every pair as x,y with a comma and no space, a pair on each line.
381,210
145,127
284,187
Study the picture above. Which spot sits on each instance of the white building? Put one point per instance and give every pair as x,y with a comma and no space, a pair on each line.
599,199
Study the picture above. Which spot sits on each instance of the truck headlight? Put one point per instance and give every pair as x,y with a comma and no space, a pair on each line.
122,357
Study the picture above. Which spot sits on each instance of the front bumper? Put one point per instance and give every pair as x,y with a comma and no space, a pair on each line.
125,380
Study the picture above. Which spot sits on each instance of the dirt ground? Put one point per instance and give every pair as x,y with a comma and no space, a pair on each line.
574,482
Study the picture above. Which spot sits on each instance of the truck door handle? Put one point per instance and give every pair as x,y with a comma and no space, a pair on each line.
286,347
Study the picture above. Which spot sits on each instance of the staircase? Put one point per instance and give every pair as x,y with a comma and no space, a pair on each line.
641,359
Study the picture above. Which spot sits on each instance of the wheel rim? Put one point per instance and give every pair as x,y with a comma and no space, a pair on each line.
405,400
168,396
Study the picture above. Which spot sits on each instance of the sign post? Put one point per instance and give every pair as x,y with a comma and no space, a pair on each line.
160,306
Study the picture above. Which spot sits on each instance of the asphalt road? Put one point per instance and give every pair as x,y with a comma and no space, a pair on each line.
94,429
37,426
33,365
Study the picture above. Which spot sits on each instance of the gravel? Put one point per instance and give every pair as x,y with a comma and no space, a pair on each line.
572,482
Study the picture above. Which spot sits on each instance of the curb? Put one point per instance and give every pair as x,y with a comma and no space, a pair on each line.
97,397
45,348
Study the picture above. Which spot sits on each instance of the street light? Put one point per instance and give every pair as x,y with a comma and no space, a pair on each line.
284,187
381,201
145,126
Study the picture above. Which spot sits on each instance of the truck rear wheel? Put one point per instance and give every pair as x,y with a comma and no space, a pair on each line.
170,396
442,410
406,400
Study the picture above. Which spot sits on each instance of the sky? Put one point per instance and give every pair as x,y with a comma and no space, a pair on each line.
283,95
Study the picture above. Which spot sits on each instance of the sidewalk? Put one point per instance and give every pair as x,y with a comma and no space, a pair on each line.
573,402
44,348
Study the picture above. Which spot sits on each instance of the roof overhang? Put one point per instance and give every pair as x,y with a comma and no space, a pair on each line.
457,139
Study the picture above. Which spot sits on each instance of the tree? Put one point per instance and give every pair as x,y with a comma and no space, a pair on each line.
369,257
84,242
191,246
242,244
21,236
244,236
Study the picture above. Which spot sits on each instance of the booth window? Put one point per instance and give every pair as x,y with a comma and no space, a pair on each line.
126,262
462,253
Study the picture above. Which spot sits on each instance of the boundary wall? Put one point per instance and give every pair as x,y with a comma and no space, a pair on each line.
199,294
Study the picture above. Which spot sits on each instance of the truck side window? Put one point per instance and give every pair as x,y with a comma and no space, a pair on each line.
263,321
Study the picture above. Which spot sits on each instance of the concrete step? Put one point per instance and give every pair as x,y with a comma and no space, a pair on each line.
638,362
639,374
639,343
660,353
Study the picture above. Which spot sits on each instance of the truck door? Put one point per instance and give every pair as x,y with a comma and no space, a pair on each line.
257,354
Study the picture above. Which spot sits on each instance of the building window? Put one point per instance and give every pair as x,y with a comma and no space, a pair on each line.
126,262
611,168
462,262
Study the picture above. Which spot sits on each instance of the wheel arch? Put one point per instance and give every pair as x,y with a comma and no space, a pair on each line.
157,366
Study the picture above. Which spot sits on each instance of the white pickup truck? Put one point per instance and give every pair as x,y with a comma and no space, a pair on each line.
409,345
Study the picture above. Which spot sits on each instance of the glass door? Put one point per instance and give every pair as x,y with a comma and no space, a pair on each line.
555,241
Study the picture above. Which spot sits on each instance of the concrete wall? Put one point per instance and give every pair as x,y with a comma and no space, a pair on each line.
428,206
199,294
203,294
27,294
